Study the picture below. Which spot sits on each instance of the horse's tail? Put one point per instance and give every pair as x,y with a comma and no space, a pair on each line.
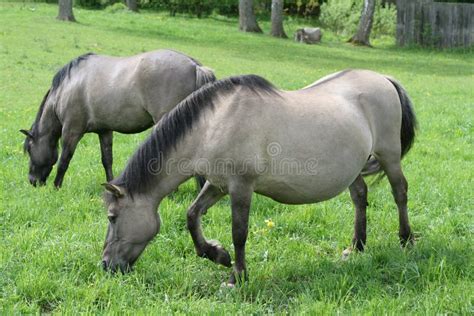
204,75
407,131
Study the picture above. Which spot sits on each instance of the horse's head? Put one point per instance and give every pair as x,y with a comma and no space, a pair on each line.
133,222
43,155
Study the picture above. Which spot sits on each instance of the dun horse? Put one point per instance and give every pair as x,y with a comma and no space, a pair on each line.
246,136
102,94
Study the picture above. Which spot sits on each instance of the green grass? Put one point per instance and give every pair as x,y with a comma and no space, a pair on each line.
51,241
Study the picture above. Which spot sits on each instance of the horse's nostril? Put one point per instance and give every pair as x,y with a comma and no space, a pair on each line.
104,265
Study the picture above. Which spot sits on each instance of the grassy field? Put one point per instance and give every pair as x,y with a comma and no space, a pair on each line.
51,241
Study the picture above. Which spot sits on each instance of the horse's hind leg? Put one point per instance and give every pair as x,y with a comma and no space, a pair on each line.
399,184
212,250
358,190
105,139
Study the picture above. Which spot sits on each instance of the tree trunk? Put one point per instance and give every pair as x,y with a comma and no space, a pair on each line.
65,11
247,20
132,5
277,19
365,24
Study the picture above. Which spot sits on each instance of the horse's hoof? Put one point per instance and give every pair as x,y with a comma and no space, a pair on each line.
346,253
227,285
216,253
406,244
407,241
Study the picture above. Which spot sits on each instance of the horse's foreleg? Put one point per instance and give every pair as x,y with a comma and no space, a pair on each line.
358,190
212,250
241,196
69,143
105,139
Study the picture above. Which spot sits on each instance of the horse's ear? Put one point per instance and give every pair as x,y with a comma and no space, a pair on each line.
114,189
27,133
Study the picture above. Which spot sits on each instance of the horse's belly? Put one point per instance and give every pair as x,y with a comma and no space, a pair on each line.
313,171
305,189
119,117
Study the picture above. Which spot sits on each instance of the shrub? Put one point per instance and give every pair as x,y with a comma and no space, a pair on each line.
95,4
116,7
385,20
339,16
342,17
306,8
89,4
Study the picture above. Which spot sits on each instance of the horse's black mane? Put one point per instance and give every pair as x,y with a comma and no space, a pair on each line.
66,71
34,127
58,78
137,176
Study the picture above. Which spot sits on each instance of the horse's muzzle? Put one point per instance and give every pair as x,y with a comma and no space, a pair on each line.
114,267
34,181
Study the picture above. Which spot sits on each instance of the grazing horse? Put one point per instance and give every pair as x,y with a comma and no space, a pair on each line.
102,94
246,136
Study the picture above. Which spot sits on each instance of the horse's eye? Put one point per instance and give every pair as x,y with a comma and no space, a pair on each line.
112,218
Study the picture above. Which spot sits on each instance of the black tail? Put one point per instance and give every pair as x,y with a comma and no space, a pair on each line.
407,131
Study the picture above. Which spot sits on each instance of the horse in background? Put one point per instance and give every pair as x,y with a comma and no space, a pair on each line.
102,94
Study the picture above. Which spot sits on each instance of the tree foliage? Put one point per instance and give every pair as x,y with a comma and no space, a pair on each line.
342,17
303,8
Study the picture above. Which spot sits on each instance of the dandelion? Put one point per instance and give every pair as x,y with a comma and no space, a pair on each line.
270,223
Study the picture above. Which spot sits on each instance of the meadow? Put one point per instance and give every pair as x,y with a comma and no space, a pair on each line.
51,241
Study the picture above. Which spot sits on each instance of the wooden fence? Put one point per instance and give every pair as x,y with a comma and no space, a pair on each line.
435,24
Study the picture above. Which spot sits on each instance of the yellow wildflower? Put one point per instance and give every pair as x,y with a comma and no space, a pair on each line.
270,223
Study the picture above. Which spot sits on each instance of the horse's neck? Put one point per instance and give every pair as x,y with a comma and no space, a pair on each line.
168,183
177,166
172,174
49,125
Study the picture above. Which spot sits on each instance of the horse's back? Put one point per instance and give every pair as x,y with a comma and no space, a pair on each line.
165,77
127,94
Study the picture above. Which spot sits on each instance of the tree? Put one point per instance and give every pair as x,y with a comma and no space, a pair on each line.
365,24
277,19
247,20
65,11
132,5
